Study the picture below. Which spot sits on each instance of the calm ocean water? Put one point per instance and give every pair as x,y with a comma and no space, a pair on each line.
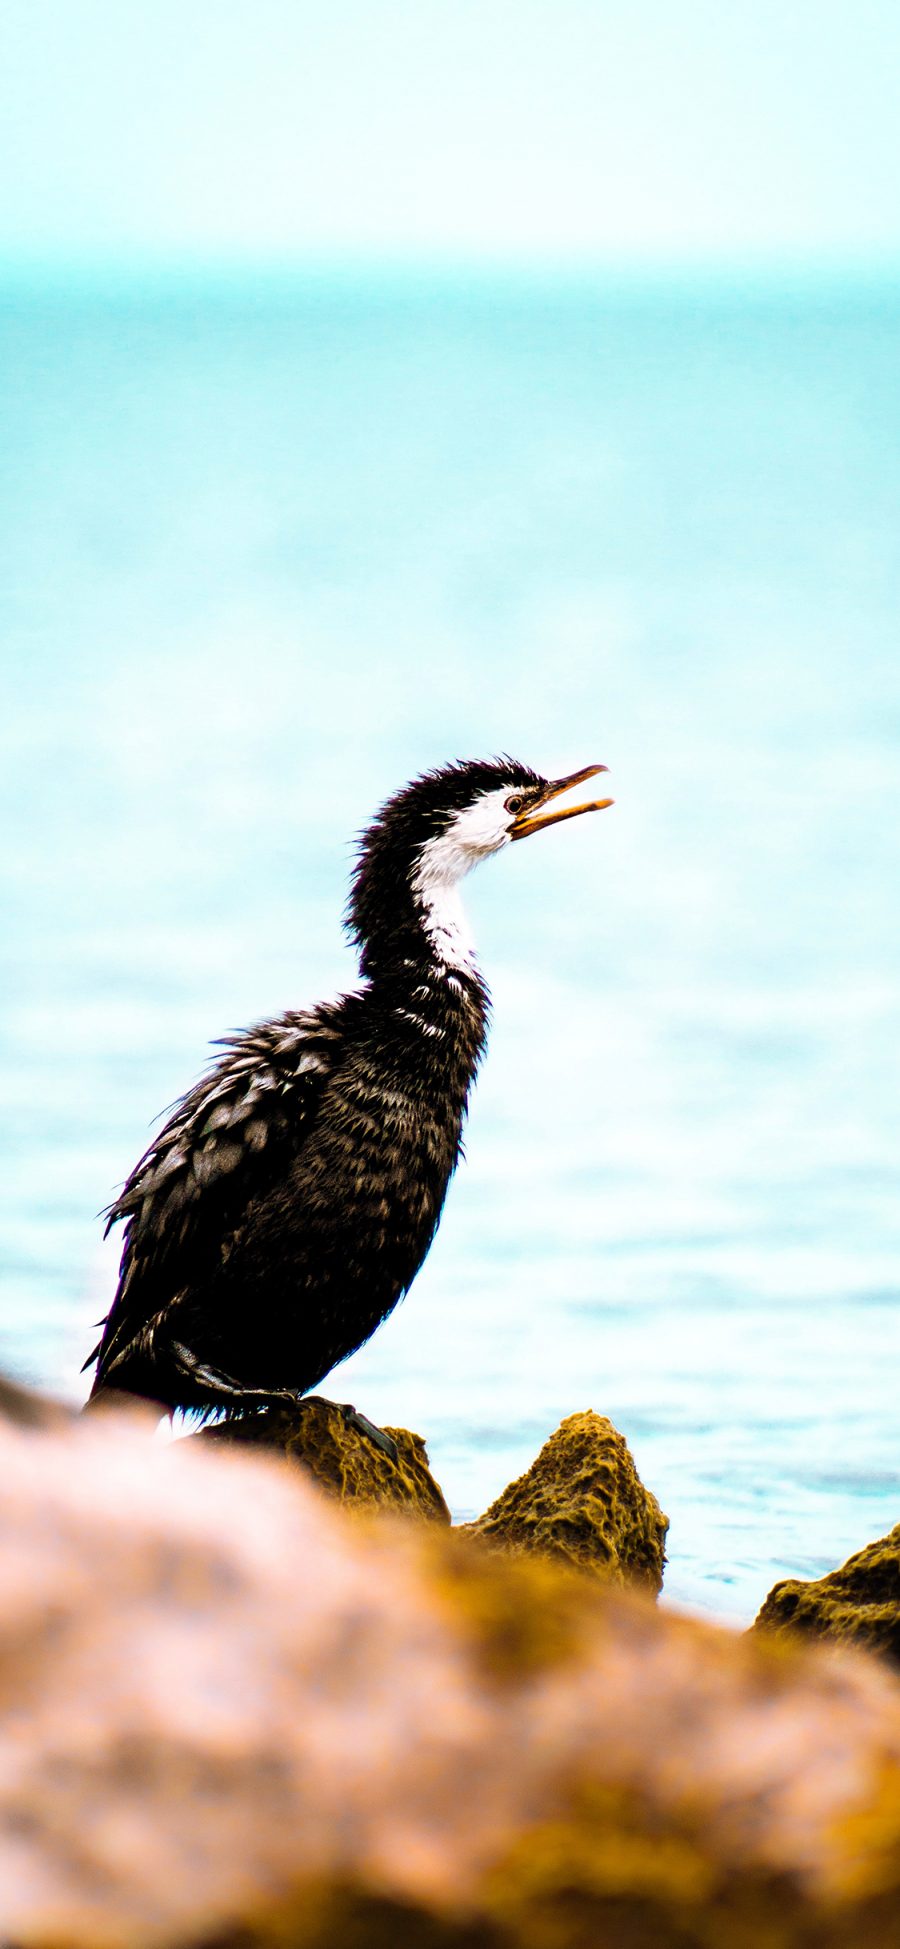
267,551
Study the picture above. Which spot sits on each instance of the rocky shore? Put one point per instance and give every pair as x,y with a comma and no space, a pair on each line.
256,1690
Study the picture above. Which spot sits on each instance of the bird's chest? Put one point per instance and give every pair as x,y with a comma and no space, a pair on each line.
387,1150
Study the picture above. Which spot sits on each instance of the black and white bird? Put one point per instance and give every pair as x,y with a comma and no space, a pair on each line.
292,1195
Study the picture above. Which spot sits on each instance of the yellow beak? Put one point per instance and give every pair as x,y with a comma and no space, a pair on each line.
529,823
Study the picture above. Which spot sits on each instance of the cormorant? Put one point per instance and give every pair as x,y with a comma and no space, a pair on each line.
290,1199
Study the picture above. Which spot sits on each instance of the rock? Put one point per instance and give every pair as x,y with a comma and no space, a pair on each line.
316,1435
31,1409
858,1604
583,1503
228,1714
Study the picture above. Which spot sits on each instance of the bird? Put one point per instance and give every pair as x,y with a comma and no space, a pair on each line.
291,1196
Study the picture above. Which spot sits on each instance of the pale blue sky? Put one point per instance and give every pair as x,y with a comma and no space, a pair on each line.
646,128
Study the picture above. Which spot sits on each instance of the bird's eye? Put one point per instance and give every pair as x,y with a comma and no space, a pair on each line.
515,803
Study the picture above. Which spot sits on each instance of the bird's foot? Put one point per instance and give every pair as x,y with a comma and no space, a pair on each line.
233,1394
362,1424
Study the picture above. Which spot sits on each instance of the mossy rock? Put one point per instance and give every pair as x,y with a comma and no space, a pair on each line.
317,1436
857,1604
583,1503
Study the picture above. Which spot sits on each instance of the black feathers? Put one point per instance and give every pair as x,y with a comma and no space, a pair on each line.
187,1194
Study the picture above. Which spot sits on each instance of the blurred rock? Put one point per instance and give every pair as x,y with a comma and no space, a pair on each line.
858,1604
27,1408
583,1503
230,1716
348,1463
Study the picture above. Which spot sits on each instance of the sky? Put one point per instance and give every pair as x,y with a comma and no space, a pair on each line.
642,129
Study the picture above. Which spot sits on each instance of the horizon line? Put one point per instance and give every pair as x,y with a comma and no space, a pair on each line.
111,266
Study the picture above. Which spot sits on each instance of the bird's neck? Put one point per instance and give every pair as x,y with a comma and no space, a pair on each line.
413,917
426,960
444,927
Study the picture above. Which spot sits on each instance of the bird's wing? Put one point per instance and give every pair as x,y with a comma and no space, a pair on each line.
222,1145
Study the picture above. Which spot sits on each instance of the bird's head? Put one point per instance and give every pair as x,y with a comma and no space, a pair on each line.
429,835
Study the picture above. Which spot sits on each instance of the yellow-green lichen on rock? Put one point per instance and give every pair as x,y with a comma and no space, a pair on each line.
316,1436
582,1503
857,1604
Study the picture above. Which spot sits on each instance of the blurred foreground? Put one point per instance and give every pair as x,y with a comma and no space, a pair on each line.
233,1711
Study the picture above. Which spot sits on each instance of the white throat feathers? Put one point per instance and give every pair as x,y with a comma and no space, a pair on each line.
475,833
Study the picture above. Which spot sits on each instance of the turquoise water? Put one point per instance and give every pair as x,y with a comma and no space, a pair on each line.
265,553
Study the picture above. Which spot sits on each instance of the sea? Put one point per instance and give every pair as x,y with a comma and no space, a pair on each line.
271,543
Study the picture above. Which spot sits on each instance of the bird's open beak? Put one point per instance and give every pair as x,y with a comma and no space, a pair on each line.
529,822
